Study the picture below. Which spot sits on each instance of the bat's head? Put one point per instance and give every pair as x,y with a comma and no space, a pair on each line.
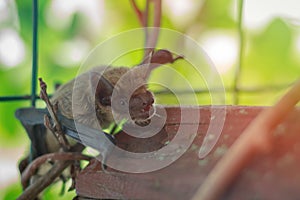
141,106
123,92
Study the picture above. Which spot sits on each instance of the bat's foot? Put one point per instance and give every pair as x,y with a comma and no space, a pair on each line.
104,168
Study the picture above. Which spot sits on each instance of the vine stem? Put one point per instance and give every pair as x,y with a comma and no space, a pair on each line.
44,181
34,165
151,40
137,11
143,17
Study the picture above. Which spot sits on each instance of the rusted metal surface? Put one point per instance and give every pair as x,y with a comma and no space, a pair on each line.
273,176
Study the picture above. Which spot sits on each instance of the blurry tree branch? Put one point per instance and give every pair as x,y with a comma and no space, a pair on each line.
143,17
47,179
62,156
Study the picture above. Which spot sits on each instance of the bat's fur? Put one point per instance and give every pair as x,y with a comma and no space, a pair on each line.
82,97
90,98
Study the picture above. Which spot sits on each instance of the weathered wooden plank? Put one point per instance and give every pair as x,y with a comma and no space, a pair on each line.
273,176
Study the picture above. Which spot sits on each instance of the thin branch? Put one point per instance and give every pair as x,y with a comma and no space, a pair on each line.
57,131
143,17
34,165
152,38
63,159
146,14
157,13
137,11
257,138
39,185
145,24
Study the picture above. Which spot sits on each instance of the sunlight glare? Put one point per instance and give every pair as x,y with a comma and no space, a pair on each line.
72,52
60,13
182,11
221,48
297,44
12,49
258,13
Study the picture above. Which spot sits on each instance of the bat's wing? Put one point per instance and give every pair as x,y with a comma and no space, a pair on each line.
33,121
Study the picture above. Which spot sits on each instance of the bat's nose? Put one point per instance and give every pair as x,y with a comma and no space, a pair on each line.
147,107
147,103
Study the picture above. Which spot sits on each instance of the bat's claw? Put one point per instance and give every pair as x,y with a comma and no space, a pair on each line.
103,165
104,168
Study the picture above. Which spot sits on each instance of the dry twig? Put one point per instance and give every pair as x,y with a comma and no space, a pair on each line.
62,159
257,138
39,185
56,130
62,156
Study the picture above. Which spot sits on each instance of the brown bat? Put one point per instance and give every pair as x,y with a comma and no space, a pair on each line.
90,97
93,92
93,97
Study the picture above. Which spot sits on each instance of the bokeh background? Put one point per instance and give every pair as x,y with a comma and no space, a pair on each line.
70,29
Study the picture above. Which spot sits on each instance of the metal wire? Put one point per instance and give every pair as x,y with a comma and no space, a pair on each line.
235,90
249,90
34,50
32,97
17,98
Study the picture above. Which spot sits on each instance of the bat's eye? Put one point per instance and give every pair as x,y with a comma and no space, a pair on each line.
151,101
106,101
123,102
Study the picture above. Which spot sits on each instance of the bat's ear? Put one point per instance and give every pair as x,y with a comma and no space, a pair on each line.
102,88
163,56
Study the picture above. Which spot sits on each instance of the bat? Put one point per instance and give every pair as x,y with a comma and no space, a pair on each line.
90,94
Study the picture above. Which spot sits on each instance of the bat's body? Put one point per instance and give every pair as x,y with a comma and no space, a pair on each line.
86,86
95,100
88,98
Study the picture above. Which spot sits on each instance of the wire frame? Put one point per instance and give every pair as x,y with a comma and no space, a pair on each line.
32,97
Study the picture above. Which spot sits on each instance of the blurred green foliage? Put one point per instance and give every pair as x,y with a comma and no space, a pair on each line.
270,56
12,192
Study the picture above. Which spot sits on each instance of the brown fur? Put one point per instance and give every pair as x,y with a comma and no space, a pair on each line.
83,93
